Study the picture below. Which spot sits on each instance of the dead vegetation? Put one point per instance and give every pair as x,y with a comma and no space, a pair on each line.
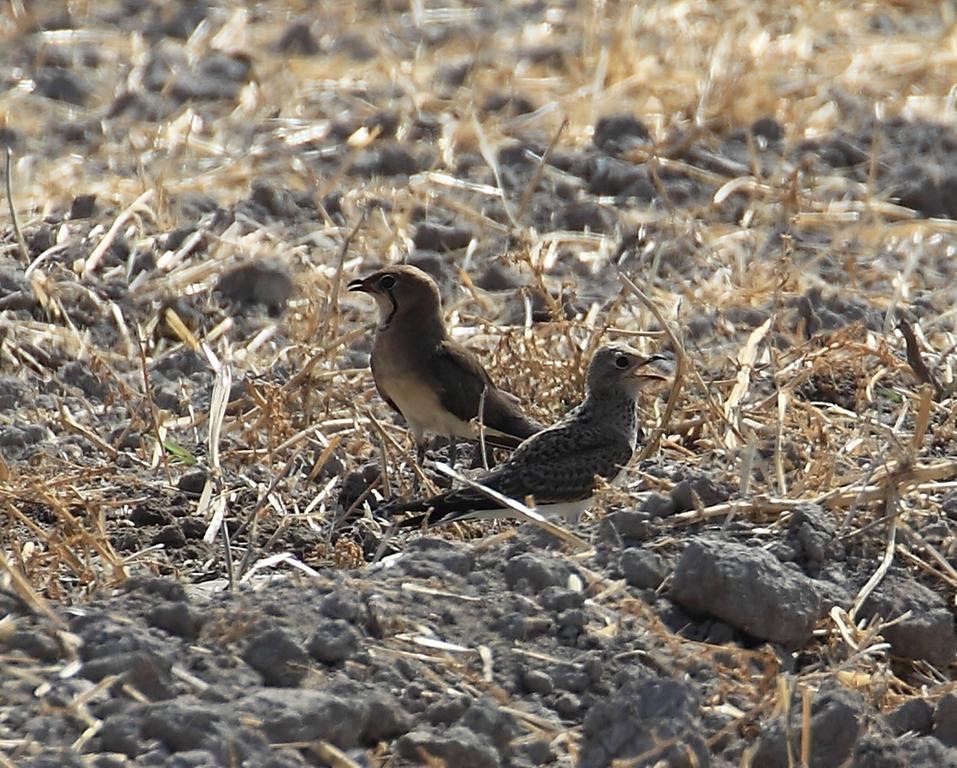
788,395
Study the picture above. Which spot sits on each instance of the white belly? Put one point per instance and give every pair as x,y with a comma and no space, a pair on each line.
568,511
422,410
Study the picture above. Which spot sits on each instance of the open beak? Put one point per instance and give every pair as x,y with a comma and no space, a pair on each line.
643,372
358,285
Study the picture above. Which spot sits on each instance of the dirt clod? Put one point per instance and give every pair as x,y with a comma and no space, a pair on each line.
765,195
747,588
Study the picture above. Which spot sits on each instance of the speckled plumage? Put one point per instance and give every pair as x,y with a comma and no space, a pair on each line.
558,466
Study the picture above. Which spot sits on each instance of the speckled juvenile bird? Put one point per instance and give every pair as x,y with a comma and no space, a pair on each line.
559,465
433,381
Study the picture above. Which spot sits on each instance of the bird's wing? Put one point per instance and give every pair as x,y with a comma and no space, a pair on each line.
560,464
555,466
461,379
380,390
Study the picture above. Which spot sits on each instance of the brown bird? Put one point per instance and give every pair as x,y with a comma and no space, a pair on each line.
434,382
558,465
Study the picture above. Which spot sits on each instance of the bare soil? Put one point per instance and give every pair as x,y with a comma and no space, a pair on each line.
192,568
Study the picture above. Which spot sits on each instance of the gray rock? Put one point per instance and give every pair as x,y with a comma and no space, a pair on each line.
269,285
878,751
571,621
568,705
440,237
163,588
153,757
570,677
642,718
457,747
192,483
447,710
192,758
657,505
697,485
12,391
515,626
560,599
620,131
948,505
387,719
915,715
277,658
65,758
928,633
62,84
536,571
945,720
181,364
147,672
538,752
22,436
34,643
175,618
498,277
747,588
836,723
488,719
607,539
426,556
78,374
642,568
812,529
292,714
630,524
104,636
536,681
170,536
110,761
180,726
333,641
341,604
167,396
120,733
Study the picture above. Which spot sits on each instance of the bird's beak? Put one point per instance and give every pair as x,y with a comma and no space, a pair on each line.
641,371
358,285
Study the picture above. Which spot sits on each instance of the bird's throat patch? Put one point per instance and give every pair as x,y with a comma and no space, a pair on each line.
395,308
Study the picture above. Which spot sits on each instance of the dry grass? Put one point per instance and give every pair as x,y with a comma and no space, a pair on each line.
693,71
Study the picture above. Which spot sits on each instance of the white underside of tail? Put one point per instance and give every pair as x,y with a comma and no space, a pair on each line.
569,511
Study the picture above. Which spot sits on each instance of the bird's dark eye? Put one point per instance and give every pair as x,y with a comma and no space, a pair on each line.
622,362
387,282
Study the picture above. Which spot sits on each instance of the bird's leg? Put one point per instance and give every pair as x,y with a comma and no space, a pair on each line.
420,460
452,451
420,445
487,460
446,481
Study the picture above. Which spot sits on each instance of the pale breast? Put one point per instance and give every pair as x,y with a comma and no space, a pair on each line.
421,408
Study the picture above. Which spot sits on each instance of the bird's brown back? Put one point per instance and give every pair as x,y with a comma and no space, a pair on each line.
458,378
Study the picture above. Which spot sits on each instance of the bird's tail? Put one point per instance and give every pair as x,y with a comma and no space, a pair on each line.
504,416
502,440
440,508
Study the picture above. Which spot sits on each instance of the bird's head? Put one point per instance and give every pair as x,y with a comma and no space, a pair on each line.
401,290
618,367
